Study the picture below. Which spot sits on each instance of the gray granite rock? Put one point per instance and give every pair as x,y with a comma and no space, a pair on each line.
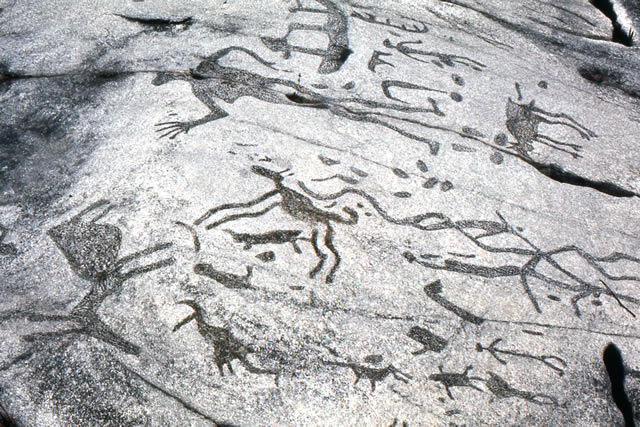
319,212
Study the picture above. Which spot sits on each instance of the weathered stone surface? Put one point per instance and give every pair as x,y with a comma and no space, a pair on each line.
318,212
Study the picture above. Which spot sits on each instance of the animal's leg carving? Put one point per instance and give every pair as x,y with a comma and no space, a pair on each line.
242,215
144,252
573,154
321,256
554,141
90,208
573,123
328,241
248,204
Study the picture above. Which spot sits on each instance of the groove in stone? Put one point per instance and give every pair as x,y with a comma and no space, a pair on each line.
558,174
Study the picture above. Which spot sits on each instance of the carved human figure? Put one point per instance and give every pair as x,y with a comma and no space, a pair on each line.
91,249
212,81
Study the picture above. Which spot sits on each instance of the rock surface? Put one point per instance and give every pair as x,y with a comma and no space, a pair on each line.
319,212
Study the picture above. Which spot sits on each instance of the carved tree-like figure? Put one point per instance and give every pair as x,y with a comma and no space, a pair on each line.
552,362
226,347
211,81
336,28
91,249
523,122
477,231
297,206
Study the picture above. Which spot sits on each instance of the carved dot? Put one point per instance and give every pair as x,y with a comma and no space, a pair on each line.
402,194
446,186
456,96
266,256
430,183
497,158
400,173
373,358
501,139
349,85
457,79
422,166
596,302
472,131
543,84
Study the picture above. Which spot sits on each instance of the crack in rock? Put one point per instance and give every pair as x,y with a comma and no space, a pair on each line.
159,24
622,31
614,365
557,173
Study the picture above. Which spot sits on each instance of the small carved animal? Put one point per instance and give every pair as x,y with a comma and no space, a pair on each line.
449,379
272,237
226,347
373,374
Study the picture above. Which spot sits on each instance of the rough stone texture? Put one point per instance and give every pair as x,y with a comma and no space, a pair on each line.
318,212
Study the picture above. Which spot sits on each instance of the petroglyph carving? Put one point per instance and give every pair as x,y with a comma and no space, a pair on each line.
91,249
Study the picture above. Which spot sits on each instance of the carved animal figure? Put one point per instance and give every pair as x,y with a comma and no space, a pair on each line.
373,374
501,389
276,237
449,379
297,206
523,122
226,347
